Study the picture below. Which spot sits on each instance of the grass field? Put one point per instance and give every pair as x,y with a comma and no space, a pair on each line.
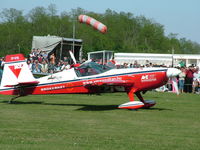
92,122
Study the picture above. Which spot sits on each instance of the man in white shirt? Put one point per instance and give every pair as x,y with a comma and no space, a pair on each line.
65,66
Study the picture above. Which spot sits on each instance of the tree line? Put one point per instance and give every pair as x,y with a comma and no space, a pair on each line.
126,32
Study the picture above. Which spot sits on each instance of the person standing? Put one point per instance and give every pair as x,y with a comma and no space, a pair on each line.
65,66
29,65
189,79
36,67
44,67
58,67
181,80
52,59
196,80
51,67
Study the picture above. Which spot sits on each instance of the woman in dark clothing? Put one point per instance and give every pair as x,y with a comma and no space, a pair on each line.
189,79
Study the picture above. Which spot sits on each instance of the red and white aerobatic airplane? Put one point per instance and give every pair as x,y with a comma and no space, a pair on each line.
90,77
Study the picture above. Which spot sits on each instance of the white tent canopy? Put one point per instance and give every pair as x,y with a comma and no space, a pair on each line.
45,43
48,43
60,44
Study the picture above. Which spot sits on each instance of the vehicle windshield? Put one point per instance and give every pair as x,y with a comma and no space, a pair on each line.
90,68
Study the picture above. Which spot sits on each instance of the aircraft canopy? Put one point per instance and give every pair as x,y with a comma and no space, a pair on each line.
91,68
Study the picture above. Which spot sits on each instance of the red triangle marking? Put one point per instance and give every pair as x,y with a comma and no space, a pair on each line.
16,71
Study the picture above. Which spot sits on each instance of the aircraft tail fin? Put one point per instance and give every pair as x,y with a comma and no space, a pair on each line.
16,72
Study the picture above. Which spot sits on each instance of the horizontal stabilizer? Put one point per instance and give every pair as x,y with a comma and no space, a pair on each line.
23,84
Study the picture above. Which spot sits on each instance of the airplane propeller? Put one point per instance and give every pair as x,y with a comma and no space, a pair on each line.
72,56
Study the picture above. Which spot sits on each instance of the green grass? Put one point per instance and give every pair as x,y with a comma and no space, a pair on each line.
91,122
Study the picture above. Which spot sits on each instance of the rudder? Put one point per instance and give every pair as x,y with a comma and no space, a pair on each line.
16,72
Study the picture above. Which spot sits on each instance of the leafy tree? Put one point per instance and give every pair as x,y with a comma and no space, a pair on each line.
12,15
126,32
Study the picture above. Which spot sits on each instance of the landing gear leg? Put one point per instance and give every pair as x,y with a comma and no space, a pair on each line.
12,99
147,103
140,97
130,93
132,105
20,94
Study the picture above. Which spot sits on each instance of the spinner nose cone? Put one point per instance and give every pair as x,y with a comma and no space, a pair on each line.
173,72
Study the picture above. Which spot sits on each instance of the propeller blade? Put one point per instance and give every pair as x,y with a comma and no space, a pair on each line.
72,56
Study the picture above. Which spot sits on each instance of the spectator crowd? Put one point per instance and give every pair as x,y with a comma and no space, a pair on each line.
40,62
188,80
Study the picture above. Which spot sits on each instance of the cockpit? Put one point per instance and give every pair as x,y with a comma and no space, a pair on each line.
90,68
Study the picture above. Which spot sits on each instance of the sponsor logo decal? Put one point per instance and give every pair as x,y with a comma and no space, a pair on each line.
16,69
14,58
53,88
115,79
148,78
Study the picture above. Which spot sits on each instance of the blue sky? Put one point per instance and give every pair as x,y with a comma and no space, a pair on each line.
177,16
